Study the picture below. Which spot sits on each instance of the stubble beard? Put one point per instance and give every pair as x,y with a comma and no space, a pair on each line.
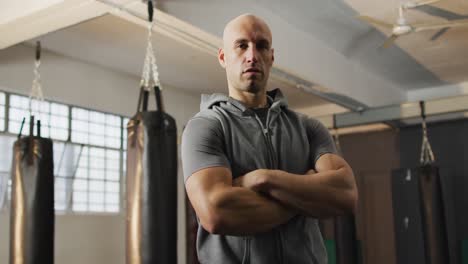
253,85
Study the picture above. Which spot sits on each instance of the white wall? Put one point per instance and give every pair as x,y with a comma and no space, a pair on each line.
90,239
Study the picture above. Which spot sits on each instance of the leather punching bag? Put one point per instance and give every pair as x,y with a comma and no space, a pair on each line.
433,215
345,237
32,200
420,219
151,185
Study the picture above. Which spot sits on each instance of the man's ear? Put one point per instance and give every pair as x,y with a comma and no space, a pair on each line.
221,60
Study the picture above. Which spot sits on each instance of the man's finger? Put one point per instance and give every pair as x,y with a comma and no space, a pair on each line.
237,182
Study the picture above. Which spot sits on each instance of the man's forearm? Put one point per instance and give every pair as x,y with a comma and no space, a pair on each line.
322,194
241,211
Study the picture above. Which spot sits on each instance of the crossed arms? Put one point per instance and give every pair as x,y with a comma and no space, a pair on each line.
264,199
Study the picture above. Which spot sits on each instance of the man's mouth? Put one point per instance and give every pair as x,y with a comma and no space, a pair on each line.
253,70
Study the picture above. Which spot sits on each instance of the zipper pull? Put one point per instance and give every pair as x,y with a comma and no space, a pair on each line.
265,131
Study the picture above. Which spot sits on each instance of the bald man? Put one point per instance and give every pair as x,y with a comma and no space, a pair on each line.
257,173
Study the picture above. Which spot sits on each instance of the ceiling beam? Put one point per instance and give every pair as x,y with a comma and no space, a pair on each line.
449,90
444,107
48,16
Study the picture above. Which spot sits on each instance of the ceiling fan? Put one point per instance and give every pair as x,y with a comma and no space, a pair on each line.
402,27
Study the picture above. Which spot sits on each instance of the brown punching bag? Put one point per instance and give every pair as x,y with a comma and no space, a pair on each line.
433,215
419,209
345,239
151,221
432,202
32,200
344,225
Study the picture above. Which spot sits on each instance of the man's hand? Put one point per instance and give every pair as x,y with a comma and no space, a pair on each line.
229,210
257,180
254,180
329,191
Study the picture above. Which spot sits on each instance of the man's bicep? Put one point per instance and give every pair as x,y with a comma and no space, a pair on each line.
203,184
343,176
330,161
205,180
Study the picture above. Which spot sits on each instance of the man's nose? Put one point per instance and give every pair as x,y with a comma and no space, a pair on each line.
251,54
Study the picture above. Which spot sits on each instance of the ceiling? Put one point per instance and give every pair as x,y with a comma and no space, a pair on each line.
443,57
318,44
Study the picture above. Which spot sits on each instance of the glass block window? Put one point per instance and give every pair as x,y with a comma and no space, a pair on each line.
6,145
53,116
96,186
124,154
125,132
96,128
2,111
88,154
66,157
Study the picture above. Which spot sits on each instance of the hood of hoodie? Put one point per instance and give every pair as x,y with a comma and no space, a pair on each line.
275,98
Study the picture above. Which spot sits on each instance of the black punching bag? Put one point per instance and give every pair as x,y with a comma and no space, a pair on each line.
345,239
420,219
433,215
32,200
151,185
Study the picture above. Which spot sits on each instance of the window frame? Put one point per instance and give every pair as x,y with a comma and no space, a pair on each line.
5,111
121,150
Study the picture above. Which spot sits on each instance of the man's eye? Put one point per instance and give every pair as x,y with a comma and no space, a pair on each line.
243,46
262,47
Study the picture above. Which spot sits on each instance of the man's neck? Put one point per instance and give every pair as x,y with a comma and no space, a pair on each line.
250,100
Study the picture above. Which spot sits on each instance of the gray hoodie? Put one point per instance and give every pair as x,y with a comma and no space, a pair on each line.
226,133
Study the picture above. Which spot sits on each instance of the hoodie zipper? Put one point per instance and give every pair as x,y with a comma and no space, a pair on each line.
246,258
266,136
273,165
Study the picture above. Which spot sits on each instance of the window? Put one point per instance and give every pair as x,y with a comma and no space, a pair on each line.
6,145
96,185
124,153
53,116
88,152
124,132
2,111
66,156
96,128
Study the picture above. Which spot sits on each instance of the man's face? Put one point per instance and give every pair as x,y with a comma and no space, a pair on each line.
247,55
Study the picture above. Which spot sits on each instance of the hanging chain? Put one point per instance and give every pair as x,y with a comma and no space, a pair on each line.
427,156
336,138
36,96
150,69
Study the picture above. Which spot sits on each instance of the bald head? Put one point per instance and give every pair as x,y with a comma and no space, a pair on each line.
249,22
247,56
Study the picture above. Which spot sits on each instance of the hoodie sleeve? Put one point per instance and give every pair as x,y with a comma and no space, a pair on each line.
320,140
202,146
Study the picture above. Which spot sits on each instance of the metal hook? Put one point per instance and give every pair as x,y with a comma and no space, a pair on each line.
150,10
38,50
334,121
422,106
